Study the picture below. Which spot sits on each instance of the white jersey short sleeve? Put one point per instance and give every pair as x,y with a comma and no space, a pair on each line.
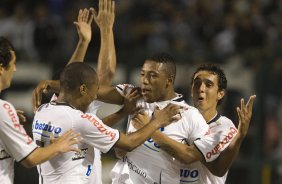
221,133
14,142
55,119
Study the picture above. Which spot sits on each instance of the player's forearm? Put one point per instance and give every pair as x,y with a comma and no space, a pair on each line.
184,153
106,66
222,164
40,155
109,94
135,139
115,117
80,52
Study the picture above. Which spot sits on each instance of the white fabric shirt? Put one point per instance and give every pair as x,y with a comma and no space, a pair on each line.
57,118
14,142
148,163
222,131
96,175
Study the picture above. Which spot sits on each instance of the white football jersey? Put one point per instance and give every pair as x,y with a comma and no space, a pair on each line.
56,118
222,131
96,176
148,163
14,142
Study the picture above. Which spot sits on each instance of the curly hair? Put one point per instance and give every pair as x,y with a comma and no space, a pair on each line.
5,51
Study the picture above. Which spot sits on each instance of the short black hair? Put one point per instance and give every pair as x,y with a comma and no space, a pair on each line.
5,51
216,70
76,74
166,59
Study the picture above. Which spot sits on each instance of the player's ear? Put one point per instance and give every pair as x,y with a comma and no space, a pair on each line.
1,69
220,94
83,89
170,80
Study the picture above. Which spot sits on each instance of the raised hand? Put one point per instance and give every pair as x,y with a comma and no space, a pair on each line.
131,97
245,115
66,141
43,87
83,24
106,16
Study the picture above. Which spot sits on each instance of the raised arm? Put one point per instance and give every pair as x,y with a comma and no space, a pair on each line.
83,27
106,65
220,166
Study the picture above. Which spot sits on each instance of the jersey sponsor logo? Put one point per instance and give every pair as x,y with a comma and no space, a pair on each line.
47,127
232,132
99,126
152,145
134,168
4,155
189,175
80,155
14,118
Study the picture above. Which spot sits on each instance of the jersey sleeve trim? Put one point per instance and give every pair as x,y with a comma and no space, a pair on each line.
28,155
114,143
199,149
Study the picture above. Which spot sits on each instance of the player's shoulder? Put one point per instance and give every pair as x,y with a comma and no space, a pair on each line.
226,121
88,117
6,106
191,111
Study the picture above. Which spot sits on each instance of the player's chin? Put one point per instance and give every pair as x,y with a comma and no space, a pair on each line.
148,99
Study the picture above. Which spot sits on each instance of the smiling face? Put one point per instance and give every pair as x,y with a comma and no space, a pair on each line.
154,81
205,91
7,72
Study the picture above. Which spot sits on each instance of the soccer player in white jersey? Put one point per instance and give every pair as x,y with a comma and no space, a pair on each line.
78,88
208,89
15,144
148,163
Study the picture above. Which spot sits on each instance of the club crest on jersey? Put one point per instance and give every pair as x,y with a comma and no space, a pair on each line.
46,127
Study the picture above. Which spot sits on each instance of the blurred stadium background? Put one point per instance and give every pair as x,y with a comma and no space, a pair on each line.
244,36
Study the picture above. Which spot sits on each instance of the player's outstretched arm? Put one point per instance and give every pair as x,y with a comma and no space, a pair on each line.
161,118
61,145
104,19
83,27
220,166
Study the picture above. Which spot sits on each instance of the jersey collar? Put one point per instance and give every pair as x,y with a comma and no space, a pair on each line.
62,103
215,118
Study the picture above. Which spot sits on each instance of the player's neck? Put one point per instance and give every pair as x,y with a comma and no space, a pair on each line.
209,114
169,95
63,98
